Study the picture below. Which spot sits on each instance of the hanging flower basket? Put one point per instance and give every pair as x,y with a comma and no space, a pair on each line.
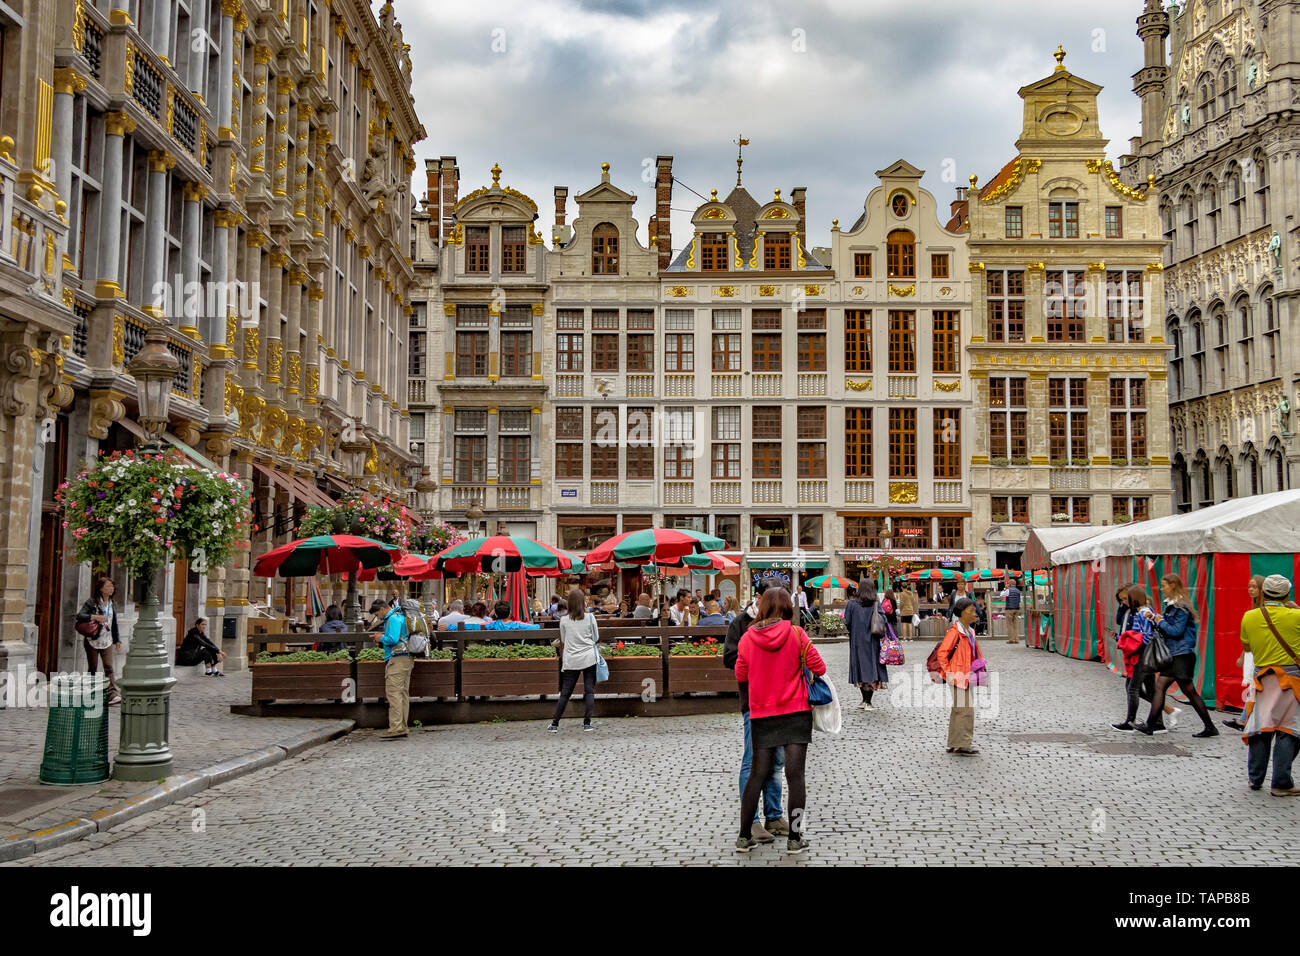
361,515
144,511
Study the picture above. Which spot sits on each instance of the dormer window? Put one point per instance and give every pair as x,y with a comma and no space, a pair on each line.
776,251
899,205
604,250
513,239
713,252
1063,220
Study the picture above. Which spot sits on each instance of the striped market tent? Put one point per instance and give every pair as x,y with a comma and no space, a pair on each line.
1214,550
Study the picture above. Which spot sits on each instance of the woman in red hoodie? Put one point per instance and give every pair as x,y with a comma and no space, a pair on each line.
769,667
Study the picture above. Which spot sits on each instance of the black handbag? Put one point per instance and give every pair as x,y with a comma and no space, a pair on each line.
1156,656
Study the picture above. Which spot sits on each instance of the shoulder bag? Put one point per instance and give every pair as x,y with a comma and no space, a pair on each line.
979,667
891,651
826,713
602,666
1156,656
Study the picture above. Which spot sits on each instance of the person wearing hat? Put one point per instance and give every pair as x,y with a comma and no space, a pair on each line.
1271,633
398,665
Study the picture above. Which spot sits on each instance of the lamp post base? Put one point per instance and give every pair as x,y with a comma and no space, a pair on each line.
146,683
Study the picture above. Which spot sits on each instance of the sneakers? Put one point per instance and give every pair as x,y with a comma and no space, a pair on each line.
795,845
778,826
745,844
1256,786
587,728
1234,724
1209,731
1147,729
553,729
760,835
867,707
1124,727
1171,718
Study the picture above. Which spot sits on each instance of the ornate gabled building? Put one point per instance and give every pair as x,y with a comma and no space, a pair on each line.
486,331
901,396
599,471
237,172
1069,377
1221,137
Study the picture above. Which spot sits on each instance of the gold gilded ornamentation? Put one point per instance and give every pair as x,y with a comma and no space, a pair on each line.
903,492
862,386
977,267
1096,267
1036,266
947,386
1156,267
946,291
724,291
1106,168
119,339
680,291
777,213
251,342
857,290
294,367
372,460
902,291
812,290
714,213
274,358
234,395
767,290
1022,168
690,258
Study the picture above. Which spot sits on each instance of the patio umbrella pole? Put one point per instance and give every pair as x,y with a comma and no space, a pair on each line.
350,615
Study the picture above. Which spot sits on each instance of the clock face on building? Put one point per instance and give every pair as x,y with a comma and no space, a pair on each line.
899,204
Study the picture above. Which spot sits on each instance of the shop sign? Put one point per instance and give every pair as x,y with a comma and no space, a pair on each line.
568,492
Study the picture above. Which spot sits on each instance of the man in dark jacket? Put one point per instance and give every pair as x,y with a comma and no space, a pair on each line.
772,790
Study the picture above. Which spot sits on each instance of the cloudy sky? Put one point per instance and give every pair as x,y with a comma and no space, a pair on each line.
827,92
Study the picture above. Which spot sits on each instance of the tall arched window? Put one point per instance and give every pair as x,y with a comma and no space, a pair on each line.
1246,338
901,254
1272,334
1190,222
1261,189
1227,87
1235,220
1198,353
604,250
1210,208
1205,98
1174,334
1170,228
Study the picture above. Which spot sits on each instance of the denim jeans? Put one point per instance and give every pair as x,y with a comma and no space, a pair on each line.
772,790
1284,747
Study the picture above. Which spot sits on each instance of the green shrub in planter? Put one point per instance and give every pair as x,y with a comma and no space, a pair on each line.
301,657
621,649
706,647
435,654
508,651
999,462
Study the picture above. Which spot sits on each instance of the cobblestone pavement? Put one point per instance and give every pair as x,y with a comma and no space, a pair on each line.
663,791
203,733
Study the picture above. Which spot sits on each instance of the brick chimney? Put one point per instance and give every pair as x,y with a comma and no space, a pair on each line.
798,196
561,197
431,197
958,202
662,224
449,180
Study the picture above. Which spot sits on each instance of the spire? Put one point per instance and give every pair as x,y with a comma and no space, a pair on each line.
741,143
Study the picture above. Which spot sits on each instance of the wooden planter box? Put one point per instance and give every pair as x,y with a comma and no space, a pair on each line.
320,681
698,675
518,677
429,679
628,674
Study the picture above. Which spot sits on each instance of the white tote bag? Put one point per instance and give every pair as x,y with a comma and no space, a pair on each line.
828,717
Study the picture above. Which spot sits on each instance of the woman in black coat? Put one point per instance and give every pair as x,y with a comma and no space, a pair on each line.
198,648
104,642
866,626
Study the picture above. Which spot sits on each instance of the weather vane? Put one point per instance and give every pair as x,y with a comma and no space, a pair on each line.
741,143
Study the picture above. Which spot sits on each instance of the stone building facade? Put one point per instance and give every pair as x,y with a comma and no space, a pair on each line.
1221,137
238,172
1070,379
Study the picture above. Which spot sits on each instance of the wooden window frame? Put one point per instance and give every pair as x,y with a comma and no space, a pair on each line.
900,254
858,429
902,341
902,443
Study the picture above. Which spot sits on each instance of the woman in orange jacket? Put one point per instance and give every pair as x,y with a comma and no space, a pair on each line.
956,653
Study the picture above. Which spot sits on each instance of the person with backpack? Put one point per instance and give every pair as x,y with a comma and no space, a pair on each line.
952,658
1271,634
866,625
773,816
1178,627
769,670
398,666
579,637
1136,624
1011,609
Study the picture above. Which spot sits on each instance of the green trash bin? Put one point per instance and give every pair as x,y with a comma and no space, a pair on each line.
76,735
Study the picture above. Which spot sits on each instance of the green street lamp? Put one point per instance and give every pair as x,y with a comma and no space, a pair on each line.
143,751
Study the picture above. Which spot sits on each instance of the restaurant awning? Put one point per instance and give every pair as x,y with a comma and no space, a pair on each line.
918,554
763,563
305,490
195,457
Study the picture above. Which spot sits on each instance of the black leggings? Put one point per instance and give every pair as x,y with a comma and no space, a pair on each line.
758,775
866,693
568,681
1156,718
1141,684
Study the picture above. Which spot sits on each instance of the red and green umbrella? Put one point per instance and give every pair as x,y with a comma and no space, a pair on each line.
830,581
986,574
652,545
404,567
325,554
502,553
934,574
